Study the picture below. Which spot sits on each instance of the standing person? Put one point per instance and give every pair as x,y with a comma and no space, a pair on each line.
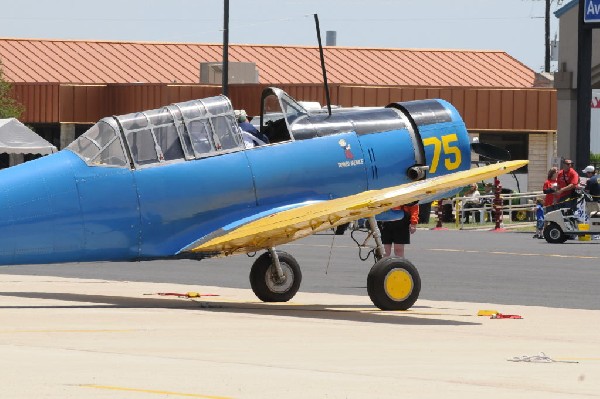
550,187
592,187
539,219
471,200
567,180
398,231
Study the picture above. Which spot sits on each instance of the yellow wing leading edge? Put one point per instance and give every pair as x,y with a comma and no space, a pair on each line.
289,225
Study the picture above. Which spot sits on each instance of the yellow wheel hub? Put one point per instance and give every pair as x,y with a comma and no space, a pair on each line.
398,284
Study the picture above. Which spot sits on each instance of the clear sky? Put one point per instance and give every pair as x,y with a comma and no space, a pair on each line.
514,26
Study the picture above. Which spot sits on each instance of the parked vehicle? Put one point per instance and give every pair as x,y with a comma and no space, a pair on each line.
562,223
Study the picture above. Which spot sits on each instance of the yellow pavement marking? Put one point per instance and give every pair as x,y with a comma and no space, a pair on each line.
296,244
513,253
156,392
64,331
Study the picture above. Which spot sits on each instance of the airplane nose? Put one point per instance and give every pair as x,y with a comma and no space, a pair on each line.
40,209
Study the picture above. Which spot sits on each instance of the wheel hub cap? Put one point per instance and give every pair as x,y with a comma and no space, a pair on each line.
398,284
280,285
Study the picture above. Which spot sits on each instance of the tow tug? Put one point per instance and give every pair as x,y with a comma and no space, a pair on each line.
562,223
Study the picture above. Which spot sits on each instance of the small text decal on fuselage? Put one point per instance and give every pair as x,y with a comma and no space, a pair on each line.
353,162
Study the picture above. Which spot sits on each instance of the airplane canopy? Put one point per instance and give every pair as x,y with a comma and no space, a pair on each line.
177,132
16,138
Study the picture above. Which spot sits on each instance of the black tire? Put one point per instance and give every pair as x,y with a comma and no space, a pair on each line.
554,234
341,229
264,284
393,284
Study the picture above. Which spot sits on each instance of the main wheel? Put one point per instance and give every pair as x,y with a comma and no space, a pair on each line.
554,234
393,284
265,283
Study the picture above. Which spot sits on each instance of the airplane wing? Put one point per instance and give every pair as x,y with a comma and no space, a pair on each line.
292,224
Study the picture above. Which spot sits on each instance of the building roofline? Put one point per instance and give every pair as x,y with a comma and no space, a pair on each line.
117,61
561,11
251,45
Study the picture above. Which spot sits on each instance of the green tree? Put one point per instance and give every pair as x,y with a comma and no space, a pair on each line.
9,107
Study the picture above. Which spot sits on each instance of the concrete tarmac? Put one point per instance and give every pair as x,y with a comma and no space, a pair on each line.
88,338
464,266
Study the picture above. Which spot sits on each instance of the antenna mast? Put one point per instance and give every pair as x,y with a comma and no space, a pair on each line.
323,65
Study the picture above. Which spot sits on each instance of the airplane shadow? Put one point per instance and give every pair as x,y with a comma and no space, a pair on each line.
355,313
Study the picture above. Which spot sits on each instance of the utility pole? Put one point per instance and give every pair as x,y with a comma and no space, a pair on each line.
547,33
547,37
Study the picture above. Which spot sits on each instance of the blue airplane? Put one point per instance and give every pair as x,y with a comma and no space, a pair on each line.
179,182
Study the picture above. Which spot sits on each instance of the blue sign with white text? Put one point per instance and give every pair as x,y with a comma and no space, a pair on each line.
591,13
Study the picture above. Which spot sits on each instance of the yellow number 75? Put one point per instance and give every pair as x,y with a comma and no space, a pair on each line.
449,145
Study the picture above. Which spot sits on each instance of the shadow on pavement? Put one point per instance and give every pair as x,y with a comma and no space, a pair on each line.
355,313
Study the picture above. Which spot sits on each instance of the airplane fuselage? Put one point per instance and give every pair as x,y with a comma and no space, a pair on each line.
84,205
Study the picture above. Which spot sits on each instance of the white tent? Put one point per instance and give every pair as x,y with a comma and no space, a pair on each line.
16,138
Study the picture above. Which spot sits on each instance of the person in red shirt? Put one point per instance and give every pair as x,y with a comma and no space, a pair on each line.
567,180
550,187
398,231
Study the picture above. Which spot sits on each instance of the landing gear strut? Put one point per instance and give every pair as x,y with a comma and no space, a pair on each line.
393,283
374,227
